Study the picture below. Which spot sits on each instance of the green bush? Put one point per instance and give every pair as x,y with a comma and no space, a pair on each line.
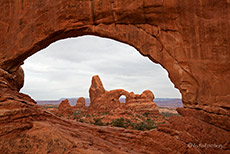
81,120
146,114
105,113
147,125
119,123
168,114
60,115
75,113
97,121
48,107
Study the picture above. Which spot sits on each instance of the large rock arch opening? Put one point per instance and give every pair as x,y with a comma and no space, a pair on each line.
137,35
163,33
76,60
189,39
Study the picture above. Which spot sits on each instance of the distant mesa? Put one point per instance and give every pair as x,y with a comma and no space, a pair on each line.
160,102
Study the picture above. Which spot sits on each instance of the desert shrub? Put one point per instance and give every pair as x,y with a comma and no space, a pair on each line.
150,121
168,114
60,115
119,122
105,113
128,123
81,120
140,126
97,121
51,106
107,124
76,113
145,125
45,107
146,114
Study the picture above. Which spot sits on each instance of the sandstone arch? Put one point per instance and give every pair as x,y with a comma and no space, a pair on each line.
102,99
161,31
190,39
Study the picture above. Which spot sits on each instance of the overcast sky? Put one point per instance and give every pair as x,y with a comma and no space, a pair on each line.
65,68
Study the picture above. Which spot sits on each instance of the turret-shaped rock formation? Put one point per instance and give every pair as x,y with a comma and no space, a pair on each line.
96,88
102,100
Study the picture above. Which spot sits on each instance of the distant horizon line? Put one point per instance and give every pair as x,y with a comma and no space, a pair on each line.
89,98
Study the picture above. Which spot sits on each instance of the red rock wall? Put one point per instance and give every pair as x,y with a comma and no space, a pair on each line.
188,38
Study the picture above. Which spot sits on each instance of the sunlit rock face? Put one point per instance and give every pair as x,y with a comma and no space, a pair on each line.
190,39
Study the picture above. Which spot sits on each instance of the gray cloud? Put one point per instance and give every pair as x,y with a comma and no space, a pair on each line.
65,68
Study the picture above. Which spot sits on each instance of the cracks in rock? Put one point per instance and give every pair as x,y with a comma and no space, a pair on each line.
170,30
92,11
164,48
151,35
153,6
155,36
225,107
113,12
207,114
146,7
201,109
177,31
180,66
162,2
143,5
197,83
140,28
20,128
